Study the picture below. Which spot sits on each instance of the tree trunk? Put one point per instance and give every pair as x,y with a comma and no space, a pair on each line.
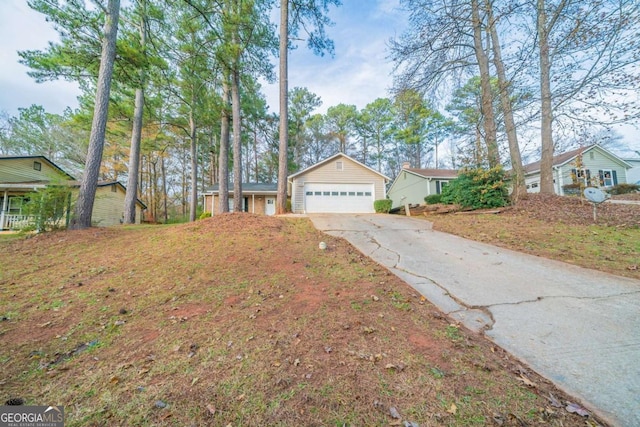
131,195
88,186
237,140
519,187
546,113
223,163
255,153
489,123
165,197
193,200
281,199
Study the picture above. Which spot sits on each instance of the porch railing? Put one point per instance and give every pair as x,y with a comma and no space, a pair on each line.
16,222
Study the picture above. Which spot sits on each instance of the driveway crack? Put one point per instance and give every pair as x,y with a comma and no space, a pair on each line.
540,298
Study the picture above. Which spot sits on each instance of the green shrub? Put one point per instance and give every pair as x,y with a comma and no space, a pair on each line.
382,205
433,199
477,189
204,215
624,188
48,207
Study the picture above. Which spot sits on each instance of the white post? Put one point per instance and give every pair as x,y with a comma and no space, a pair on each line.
5,200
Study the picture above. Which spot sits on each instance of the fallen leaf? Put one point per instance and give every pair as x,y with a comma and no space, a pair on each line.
211,409
526,381
394,413
453,409
576,409
195,380
554,402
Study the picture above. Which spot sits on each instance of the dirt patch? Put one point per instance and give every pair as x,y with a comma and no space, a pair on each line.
241,319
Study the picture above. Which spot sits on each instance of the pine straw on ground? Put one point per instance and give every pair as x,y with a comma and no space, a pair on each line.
242,320
560,228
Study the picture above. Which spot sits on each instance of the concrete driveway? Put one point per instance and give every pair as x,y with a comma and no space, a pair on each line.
577,327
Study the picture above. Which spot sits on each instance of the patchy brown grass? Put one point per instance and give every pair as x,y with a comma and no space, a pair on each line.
560,228
241,320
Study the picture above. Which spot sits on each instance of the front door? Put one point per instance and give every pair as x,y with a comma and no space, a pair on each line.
270,208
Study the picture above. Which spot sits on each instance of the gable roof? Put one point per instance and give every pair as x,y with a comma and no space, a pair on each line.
433,173
247,188
564,158
41,158
335,156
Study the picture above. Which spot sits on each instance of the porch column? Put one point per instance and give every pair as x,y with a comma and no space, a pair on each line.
5,200
253,203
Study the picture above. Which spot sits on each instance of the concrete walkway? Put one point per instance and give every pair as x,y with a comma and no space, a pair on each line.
577,327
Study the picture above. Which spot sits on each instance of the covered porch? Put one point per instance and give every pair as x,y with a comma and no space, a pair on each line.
12,202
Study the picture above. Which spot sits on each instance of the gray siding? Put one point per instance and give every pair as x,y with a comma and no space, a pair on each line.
414,188
593,160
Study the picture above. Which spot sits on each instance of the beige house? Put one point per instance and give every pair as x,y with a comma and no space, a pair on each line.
256,198
21,175
412,185
338,184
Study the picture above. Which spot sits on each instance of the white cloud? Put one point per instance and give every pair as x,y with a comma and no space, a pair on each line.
21,28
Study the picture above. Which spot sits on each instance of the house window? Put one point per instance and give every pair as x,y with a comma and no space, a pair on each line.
326,193
334,193
360,193
343,193
581,176
352,193
37,166
591,156
367,193
339,166
309,193
607,178
534,185
440,185
317,193
15,205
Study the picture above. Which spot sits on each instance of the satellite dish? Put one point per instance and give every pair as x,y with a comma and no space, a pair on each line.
595,195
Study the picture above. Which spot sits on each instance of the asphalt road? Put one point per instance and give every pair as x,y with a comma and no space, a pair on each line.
577,327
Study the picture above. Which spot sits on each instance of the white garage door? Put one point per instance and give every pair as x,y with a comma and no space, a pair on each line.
338,198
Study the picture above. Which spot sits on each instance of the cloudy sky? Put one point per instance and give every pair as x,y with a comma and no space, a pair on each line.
357,74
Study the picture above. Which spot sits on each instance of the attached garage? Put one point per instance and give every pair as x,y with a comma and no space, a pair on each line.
338,184
339,198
